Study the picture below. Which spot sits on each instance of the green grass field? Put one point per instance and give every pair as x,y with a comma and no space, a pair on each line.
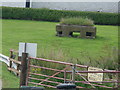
74,50
9,80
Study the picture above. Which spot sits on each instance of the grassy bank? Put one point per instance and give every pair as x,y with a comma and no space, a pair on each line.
9,80
74,50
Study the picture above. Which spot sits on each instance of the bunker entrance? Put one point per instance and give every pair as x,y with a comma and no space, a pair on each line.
88,33
60,32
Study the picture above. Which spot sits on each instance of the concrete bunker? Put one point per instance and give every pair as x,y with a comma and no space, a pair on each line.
68,30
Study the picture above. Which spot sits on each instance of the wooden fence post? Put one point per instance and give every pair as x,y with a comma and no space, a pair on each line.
24,69
18,65
73,73
10,63
65,76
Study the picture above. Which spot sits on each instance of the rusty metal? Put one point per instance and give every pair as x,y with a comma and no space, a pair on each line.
42,84
73,73
53,75
44,80
65,71
47,68
84,82
64,76
48,76
59,62
78,72
79,87
96,71
99,82
85,79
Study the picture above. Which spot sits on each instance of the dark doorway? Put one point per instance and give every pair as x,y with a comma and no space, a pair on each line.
60,32
27,3
88,33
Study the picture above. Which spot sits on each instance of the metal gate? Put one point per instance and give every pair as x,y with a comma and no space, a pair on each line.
50,73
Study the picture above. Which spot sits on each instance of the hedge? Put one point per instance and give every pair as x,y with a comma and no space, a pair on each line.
45,14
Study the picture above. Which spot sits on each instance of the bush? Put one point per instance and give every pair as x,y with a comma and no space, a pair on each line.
77,21
55,15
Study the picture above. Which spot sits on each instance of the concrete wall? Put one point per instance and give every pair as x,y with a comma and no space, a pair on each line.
76,0
13,3
79,6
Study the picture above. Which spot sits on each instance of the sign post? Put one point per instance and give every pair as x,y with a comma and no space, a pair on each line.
26,50
95,76
30,48
24,69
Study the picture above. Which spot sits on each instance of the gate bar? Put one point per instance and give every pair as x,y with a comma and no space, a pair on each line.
42,84
44,80
65,63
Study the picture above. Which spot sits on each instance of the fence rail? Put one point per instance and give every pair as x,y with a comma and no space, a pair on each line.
77,73
14,59
67,74
59,62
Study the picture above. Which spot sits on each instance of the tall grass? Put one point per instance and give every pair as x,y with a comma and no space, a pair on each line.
8,79
77,21
108,61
